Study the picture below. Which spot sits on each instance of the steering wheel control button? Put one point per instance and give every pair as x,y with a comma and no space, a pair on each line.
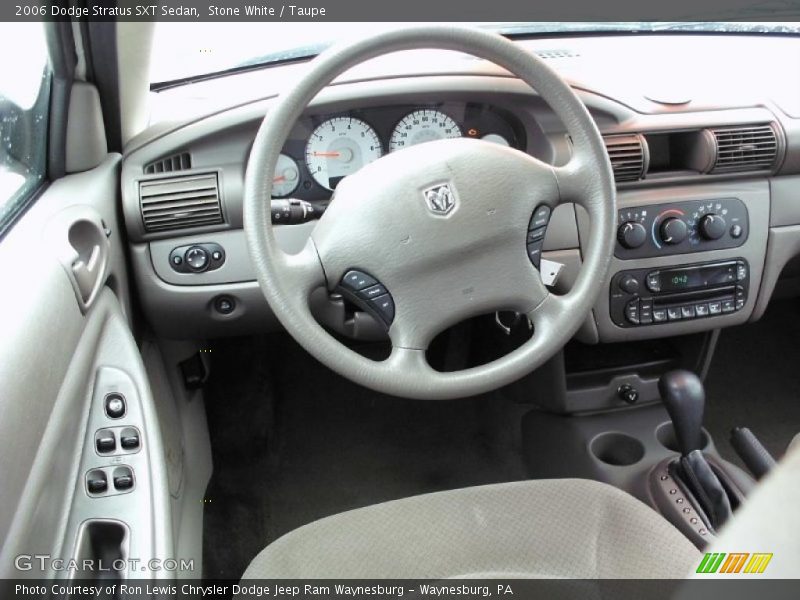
372,292
96,482
197,258
540,218
224,305
356,281
368,294
537,229
114,405
385,306
536,235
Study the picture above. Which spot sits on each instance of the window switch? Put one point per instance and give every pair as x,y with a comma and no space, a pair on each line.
123,479
96,482
105,442
129,441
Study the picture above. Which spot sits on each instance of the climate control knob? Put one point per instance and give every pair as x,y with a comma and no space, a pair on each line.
631,234
712,227
673,231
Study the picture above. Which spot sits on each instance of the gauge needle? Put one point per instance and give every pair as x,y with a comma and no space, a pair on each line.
330,154
278,179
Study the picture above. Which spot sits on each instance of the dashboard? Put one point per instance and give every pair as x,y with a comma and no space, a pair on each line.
706,190
324,148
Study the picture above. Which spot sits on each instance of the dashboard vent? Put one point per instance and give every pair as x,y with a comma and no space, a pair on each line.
179,202
176,162
628,156
745,148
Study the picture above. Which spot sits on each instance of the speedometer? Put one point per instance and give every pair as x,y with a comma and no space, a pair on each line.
423,126
340,147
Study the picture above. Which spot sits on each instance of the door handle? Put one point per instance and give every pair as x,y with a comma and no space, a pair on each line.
82,246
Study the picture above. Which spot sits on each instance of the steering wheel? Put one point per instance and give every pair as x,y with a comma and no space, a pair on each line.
442,226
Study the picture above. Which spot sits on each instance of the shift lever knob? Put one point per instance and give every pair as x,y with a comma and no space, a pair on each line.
683,395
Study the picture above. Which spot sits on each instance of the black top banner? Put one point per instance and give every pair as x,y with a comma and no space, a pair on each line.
405,11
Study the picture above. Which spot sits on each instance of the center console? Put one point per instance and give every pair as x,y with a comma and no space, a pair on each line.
686,260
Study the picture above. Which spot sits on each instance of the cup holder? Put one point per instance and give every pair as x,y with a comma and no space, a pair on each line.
665,434
618,449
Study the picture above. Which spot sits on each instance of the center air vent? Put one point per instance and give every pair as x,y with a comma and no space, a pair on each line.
750,148
628,155
180,202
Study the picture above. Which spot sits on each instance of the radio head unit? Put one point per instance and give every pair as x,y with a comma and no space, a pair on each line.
652,296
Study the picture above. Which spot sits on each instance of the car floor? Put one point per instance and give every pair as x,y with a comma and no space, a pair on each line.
754,381
293,442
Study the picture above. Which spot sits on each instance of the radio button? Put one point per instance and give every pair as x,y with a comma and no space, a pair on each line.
728,306
674,313
701,310
659,315
646,313
653,282
632,312
629,284
741,271
739,303
687,312
714,308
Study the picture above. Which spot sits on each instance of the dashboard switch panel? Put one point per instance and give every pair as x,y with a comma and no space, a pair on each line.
197,258
681,228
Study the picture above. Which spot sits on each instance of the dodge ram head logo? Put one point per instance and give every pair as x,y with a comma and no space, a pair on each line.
440,199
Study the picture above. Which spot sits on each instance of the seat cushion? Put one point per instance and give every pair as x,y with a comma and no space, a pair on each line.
570,528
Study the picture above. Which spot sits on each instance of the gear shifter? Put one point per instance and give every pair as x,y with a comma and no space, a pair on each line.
684,398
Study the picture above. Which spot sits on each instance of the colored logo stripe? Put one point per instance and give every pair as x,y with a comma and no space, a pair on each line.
711,562
758,562
721,562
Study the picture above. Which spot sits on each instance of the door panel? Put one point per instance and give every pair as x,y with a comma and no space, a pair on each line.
64,326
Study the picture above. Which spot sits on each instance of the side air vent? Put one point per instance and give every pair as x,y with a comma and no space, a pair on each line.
179,202
169,164
745,148
628,155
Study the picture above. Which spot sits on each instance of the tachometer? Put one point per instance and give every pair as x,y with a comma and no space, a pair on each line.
286,178
340,147
423,126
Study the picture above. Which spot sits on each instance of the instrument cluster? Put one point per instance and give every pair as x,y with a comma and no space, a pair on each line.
323,149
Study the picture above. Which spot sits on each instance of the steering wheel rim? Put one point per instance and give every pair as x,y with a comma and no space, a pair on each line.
287,280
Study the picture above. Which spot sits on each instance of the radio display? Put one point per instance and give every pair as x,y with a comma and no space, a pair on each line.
675,280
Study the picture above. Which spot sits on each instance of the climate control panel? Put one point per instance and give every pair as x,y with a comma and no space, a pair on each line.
681,227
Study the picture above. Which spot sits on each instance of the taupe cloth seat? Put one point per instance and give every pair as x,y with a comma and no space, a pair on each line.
564,528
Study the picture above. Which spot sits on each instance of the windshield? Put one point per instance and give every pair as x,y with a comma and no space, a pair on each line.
188,50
